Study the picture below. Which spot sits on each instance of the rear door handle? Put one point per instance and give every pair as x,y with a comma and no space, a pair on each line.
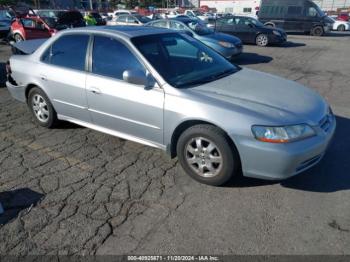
95,90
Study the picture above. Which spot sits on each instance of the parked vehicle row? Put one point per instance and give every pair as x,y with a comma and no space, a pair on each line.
168,90
226,45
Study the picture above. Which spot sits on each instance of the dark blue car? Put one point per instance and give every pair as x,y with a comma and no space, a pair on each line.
227,45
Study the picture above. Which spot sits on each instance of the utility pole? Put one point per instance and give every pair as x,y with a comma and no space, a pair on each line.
90,4
1,209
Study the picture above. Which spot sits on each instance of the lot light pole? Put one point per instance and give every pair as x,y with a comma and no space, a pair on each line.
1,209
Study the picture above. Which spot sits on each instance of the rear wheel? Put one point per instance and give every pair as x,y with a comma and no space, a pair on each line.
18,38
341,28
262,40
206,154
41,108
317,31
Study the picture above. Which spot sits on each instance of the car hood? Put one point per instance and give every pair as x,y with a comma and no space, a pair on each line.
215,37
277,100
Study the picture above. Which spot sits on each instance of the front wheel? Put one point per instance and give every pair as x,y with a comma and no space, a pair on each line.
18,38
262,40
41,108
206,154
317,31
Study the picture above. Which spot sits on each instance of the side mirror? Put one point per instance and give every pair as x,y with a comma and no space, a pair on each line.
251,25
137,77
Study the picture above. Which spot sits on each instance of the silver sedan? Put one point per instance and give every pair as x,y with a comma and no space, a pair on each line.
167,90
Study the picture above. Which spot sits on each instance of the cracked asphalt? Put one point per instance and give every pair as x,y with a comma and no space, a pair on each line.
72,190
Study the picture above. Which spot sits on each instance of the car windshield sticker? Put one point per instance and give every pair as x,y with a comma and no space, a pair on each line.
204,57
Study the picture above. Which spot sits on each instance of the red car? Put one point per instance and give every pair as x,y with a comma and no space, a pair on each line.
28,25
343,17
26,28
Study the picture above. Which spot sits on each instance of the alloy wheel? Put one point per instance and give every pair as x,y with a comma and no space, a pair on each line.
204,157
262,40
40,108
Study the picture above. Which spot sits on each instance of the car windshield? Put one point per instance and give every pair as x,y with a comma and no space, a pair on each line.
197,13
182,60
199,27
255,22
319,11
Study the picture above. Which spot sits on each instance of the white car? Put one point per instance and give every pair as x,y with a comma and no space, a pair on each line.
196,14
124,12
340,25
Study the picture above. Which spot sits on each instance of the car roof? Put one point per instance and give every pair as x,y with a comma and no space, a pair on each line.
126,31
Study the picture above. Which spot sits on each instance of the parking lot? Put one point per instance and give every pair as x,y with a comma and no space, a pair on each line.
72,190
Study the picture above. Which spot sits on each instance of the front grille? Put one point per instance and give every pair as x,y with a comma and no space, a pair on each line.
325,123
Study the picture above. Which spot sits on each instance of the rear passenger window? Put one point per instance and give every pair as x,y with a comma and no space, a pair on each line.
68,51
294,10
111,58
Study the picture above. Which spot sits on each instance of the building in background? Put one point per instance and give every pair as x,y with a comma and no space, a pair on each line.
249,7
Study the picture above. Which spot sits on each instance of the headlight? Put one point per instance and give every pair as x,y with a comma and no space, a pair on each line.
226,44
282,134
276,33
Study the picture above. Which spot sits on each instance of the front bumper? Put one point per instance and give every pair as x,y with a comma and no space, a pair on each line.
231,52
274,39
280,161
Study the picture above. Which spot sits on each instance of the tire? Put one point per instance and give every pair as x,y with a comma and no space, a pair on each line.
262,40
341,28
41,108
317,31
18,38
214,167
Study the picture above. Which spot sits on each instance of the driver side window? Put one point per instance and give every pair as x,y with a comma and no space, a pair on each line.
28,23
111,58
311,11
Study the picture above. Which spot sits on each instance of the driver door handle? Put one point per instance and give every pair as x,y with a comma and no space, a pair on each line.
95,90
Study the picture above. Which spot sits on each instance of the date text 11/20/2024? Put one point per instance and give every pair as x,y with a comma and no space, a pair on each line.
173,258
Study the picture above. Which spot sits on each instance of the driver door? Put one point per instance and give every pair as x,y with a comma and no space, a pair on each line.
245,29
34,29
117,105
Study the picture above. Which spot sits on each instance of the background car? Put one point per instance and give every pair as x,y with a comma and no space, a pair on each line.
6,17
124,12
250,30
226,45
137,20
295,16
340,25
27,28
62,19
197,14
343,17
